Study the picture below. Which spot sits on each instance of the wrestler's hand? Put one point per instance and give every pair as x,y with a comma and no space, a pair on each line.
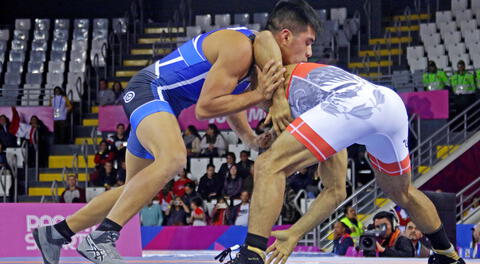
282,248
279,115
269,79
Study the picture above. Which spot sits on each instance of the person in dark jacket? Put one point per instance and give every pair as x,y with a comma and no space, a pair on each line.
233,184
210,185
342,239
393,244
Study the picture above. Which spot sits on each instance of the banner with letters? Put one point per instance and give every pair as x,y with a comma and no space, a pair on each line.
110,116
18,220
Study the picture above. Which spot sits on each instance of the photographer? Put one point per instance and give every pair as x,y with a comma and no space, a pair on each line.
389,242
177,212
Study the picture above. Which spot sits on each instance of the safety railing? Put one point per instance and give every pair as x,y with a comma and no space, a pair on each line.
466,200
84,151
25,155
54,191
425,154
367,8
94,138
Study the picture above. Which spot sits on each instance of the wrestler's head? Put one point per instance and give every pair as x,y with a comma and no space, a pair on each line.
294,24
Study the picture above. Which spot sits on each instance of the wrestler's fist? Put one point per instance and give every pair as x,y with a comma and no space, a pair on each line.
282,248
264,140
269,79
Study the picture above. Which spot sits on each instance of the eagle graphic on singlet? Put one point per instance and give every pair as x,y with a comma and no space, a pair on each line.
334,90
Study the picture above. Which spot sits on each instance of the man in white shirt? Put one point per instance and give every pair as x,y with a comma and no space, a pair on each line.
241,211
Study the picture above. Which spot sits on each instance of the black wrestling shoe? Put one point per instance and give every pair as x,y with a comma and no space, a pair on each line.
442,259
247,255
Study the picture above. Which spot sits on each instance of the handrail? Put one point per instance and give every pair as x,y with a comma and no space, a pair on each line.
54,190
94,137
3,183
83,150
353,175
296,199
461,210
75,164
24,152
70,96
367,8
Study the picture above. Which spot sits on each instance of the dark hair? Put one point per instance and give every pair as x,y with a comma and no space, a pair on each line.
119,83
245,152
231,154
62,92
294,15
190,185
214,128
193,129
347,229
197,201
389,215
210,165
121,124
461,62
345,209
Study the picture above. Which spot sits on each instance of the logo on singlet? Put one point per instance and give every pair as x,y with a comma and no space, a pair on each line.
129,97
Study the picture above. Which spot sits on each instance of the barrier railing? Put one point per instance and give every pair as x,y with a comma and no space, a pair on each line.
466,200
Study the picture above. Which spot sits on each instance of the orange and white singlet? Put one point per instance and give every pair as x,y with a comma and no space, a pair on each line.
335,109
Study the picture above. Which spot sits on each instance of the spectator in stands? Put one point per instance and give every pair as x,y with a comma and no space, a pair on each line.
177,212
341,239
119,141
39,135
402,215
419,242
462,81
73,193
210,185
212,144
179,185
151,214
351,221
192,141
197,217
107,176
121,174
244,167
300,180
6,138
105,95
104,154
239,213
3,157
117,91
225,167
166,196
233,184
61,107
220,212
393,244
434,79
190,193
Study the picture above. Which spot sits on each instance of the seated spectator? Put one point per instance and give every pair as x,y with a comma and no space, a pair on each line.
179,185
341,239
300,180
6,138
191,138
225,167
233,184
210,184
190,193
121,174
177,212
197,217
212,144
239,213
118,91
244,167
119,139
104,154
73,193
3,158
393,244
434,79
61,107
107,176
166,196
351,221
420,244
151,214
105,95
220,212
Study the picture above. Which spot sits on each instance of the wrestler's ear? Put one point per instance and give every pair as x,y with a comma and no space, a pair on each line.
285,37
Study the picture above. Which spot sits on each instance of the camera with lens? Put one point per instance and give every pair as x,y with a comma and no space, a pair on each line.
371,236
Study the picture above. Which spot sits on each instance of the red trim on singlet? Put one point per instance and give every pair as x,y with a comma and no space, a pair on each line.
310,139
392,169
302,70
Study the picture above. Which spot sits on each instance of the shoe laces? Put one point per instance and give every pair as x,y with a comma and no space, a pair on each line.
228,252
112,237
